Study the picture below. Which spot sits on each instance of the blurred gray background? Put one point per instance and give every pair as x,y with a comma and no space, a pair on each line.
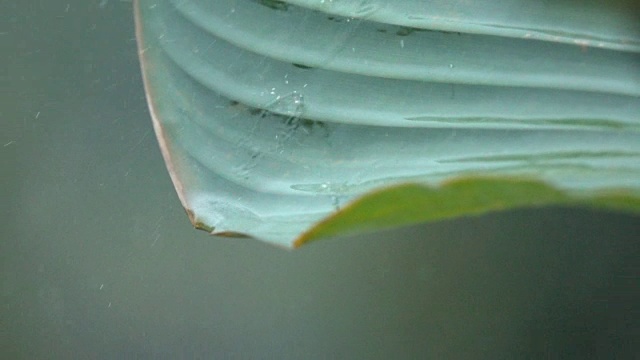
98,259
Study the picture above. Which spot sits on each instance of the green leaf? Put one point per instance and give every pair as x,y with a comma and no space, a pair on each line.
409,204
274,115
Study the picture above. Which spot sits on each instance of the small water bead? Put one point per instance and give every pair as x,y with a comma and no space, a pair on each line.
291,104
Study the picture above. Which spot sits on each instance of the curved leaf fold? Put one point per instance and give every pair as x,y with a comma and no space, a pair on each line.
273,115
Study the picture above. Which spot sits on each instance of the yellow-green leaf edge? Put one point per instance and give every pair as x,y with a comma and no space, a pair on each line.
409,204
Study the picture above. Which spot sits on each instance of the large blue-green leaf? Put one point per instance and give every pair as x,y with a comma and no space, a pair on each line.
272,115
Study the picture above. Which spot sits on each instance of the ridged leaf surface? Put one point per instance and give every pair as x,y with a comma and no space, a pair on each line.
273,115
